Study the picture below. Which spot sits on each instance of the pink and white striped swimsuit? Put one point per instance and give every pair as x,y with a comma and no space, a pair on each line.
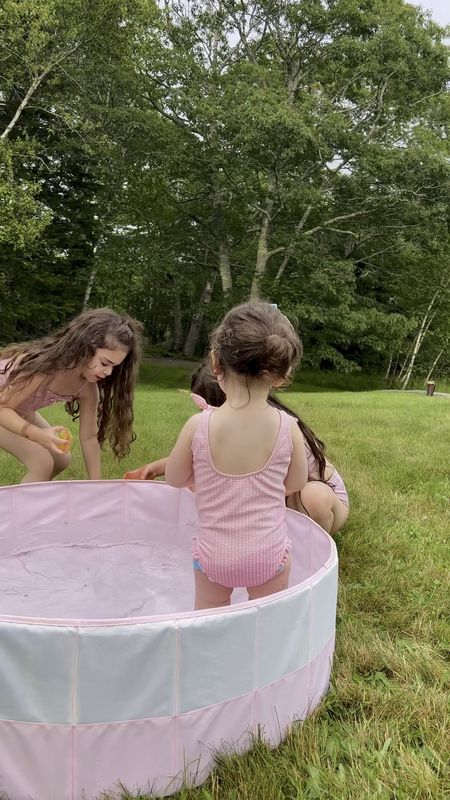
335,481
41,398
242,535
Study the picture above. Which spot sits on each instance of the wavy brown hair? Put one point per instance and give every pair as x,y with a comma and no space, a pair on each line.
254,338
204,383
74,346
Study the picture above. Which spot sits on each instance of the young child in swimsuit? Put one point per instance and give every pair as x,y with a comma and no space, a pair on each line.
324,498
243,458
91,366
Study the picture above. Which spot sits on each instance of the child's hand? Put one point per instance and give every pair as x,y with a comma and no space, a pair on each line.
134,474
51,438
66,440
153,470
148,471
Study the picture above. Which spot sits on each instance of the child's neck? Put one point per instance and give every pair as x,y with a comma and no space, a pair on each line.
245,392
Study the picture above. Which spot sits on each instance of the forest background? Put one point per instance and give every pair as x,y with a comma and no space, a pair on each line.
171,159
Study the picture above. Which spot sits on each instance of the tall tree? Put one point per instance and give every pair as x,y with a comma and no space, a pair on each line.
290,113
58,60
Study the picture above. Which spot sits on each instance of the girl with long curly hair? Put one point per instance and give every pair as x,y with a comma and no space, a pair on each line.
90,365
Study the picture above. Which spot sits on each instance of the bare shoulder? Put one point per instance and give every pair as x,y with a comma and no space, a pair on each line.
191,425
295,430
187,432
15,394
89,395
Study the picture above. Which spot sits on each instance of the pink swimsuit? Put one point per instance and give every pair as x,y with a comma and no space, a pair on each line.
242,536
40,399
335,481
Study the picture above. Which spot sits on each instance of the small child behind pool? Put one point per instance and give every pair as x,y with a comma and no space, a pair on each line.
243,458
324,498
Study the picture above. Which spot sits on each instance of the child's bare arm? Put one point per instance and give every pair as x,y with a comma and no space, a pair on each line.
11,398
179,463
15,423
88,432
297,474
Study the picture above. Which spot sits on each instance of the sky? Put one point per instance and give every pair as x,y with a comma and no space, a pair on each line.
440,9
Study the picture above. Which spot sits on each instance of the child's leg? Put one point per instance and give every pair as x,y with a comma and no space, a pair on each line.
278,583
318,500
209,594
39,463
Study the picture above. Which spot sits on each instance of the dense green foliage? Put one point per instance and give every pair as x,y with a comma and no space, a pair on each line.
171,161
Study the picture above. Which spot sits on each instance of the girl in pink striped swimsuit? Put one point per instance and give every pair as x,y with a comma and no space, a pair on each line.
243,458
324,498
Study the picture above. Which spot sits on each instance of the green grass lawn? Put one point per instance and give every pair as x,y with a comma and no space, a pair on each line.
383,730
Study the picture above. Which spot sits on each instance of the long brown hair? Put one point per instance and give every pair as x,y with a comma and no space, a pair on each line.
204,383
75,345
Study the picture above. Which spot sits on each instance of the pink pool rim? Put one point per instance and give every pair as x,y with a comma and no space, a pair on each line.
107,677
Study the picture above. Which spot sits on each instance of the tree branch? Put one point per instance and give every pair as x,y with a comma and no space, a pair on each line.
37,82
34,86
275,251
328,222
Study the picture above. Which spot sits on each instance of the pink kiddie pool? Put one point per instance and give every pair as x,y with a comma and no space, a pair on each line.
107,676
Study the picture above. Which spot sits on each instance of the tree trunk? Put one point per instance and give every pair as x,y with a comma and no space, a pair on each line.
291,246
89,285
262,254
422,332
177,323
197,319
394,370
34,86
405,363
388,371
92,276
224,267
408,372
433,366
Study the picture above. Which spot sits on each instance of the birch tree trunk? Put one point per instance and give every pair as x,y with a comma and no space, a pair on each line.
422,332
433,366
35,85
388,371
197,319
177,324
92,276
405,363
262,254
224,267
291,246
89,286
32,89
394,370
